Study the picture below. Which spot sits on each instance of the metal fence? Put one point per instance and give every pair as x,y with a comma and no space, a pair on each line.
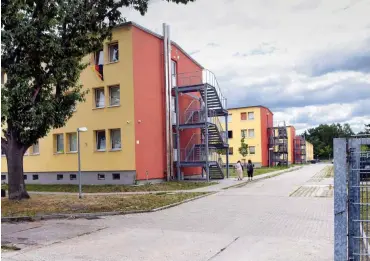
352,199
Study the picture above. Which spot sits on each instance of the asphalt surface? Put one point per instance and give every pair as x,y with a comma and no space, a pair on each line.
263,220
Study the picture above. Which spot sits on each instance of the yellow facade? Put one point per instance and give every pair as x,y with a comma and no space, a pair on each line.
236,125
309,151
291,136
87,115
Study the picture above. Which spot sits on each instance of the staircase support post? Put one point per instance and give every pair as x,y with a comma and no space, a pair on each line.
227,142
206,132
179,177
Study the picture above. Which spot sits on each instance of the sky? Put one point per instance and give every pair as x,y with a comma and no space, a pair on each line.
306,60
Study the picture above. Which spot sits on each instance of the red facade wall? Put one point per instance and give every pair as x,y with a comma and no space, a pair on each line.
149,103
267,119
188,73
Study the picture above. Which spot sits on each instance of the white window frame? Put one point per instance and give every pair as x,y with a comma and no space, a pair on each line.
99,57
111,139
174,73
229,118
110,95
57,147
246,116
36,145
98,102
250,113
249,136
254,148
97,140
245,132
70,135
110,55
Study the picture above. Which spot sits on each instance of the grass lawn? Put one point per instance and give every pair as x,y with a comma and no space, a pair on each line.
365,210
257,171
165,186
68,204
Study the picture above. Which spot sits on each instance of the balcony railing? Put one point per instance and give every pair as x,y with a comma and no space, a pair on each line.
198,154
201,77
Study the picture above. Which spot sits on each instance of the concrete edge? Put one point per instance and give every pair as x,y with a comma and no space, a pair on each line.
97,214
268,175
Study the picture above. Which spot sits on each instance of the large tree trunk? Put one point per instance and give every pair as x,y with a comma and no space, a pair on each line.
14,156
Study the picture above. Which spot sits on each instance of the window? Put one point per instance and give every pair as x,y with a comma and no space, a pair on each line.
243,133
230,134
72,142
174,73
59,176
115,137
230,118
114,95
251,133
116,176
35,148
99,98
59,143
101,176
35,177
25,177
243,116
252,150
72,176
100,140
113,52
99,57
3,177
250,115
231,151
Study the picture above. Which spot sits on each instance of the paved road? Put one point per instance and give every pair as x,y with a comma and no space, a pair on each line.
259,221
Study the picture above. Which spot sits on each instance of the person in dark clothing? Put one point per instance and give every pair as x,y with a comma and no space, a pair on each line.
250,168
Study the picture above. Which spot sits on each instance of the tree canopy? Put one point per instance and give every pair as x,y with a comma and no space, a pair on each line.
322,137
43,44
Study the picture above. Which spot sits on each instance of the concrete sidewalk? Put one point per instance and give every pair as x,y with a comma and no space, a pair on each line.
222,184
259,221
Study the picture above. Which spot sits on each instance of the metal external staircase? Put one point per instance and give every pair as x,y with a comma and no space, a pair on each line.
202,113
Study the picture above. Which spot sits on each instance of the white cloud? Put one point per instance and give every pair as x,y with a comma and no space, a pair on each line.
265,52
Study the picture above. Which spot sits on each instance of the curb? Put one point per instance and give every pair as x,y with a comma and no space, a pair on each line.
265,177
97,214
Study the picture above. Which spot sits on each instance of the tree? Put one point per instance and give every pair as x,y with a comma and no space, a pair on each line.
243,149
322,137
43,44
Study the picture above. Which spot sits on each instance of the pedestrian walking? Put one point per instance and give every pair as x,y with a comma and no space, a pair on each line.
239,170
250,168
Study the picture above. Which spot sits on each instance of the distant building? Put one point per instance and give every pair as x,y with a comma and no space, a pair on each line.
252,123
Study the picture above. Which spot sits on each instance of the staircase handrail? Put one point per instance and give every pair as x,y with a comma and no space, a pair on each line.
211,79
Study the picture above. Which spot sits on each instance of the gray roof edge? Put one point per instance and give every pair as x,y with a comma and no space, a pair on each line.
160,37
252,106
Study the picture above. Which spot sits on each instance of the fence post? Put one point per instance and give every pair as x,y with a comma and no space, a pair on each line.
340,199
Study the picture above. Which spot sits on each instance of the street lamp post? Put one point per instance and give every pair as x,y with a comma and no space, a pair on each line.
81,129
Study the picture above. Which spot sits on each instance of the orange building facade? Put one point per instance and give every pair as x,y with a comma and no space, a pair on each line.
124,113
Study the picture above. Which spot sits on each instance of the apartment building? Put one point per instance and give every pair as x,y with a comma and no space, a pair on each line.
125,114
251,123
309,151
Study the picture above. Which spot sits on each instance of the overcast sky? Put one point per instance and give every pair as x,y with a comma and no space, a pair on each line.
307,60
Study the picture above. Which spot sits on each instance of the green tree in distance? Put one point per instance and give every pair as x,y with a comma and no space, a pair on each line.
43,44
322,137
